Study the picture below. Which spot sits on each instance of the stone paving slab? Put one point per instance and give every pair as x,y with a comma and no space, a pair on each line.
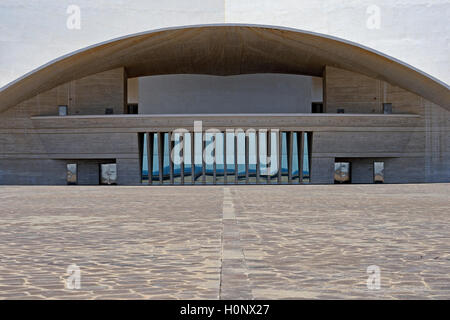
212,242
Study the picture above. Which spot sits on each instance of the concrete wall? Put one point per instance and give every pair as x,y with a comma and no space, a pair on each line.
30,156
255,93
35,145
420,152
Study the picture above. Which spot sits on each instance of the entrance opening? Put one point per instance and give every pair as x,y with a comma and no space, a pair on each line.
226,157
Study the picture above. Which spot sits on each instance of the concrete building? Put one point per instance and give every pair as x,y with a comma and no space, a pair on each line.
225,104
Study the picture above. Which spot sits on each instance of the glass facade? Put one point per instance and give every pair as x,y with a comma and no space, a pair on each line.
231,157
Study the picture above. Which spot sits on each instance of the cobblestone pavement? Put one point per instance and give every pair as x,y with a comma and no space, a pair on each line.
238,242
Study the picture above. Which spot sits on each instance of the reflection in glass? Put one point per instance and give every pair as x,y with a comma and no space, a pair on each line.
262,137
166,158
177,153
378,172
241,156
187,158
72,176
155,162
230,158
198,154
209,156
342,172
144,159
274,150
108,173
284,158
251,156
295,157
306,157
219,158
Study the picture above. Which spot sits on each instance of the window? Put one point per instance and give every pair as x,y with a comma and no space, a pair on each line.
108,173
72,177
317,107
340,110
342,172
132,108
378,172
62,110
387,108
109,111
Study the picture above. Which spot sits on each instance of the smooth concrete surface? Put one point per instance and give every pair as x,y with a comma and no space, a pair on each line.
256,93
225,50
238,242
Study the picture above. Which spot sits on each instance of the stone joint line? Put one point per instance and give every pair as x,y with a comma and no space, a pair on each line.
234,280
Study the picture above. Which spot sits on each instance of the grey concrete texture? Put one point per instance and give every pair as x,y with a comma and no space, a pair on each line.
225,50
213,242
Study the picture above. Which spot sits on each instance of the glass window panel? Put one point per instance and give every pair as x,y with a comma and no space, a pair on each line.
295,171
230,158
306,156
274,149
144,161
155,162
108,173
252,156
262,136
187,158
209,157
342,172
378,172
177,157
219,158
198,155
166,159
72,175
284,158
241,157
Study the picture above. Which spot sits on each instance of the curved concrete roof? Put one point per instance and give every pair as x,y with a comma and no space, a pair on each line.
224,50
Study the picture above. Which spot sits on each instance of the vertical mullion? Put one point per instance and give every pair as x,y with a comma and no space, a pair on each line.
300,149
310,142
214,137
290,146
235,159
225,157
182,157
150,156
269,155
203,159
280,150
192,157
246,157
170,156
257,156
160,155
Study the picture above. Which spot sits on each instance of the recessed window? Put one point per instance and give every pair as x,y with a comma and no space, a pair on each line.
62,110
378,172
72,173
132,108
108,173
342,172
340,110
317,107
387,108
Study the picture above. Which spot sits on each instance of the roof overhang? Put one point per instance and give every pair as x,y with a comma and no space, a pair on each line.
224,49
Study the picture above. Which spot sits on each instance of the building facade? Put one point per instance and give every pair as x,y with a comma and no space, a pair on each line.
225,104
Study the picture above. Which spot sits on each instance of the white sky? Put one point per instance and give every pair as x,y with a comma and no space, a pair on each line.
33,32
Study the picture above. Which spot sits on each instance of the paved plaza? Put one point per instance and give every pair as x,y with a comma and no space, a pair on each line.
225,242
